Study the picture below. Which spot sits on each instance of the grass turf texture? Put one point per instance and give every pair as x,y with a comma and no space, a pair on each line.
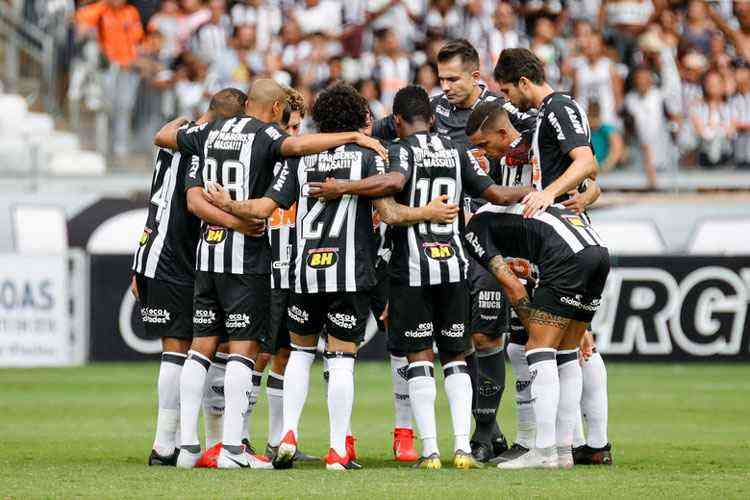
679,431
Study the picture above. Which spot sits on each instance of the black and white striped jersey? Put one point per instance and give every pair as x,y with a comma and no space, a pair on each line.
434,165
335,243
562,125
547,239
239,153
282,234
166,250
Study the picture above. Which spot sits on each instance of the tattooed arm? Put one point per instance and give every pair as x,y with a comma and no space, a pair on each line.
395,214
513,288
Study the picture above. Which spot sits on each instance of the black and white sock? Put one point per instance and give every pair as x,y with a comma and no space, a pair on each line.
168,390
422,392
399,367
458,389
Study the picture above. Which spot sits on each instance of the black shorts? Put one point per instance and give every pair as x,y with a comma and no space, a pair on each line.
231,305
489,308
379,296
166,309
420,315
577,291
344,314
278,333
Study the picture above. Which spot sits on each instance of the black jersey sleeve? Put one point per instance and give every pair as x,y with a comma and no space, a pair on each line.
285,189
274,136
523,121
475,180
479,240
568,124
194,176
385,129
373,165
398,159
190,140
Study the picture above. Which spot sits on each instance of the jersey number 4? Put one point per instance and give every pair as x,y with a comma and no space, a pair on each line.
428,190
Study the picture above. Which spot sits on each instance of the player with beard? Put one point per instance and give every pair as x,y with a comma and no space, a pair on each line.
164,269
333,271
233,284
459,75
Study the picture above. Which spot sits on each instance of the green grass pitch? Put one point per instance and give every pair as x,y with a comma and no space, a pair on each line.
678,431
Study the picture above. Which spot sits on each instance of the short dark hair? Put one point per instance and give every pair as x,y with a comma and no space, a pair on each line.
459,48
514,64
412,103
228,102
340,108
487,112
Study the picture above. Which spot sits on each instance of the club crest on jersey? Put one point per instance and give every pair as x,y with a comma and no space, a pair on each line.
145,236
575,220
322,258
439,251
214,235
441,110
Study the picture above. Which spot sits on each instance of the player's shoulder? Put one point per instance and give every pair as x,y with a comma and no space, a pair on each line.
491,96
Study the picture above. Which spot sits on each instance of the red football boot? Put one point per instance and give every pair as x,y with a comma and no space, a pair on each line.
209,457
334,461
351,450
403,445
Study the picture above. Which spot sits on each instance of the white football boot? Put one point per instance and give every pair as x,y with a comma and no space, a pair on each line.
534,459
187,460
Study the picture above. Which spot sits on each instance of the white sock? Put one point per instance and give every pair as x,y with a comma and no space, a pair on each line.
192,380
236,389
275,395
594,400
326,377
460,394
525,435
578,438
340,400
401,401
296,386
213,400
168,391
545,394
422,393
251,402
568,409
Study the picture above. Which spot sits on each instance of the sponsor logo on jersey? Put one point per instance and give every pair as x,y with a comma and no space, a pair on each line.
237,320
577,127
423,330
339,160
283,218
576,302
204,317
214,235
195,164
445,158
489,299
442,110
575,220
273,133
455,330
145,236
556,124
232,141
342,320
439,251
322,258
473,240
196,128
155,315
298,314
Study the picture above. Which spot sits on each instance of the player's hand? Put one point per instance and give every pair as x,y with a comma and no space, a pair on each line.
384,316
252,227
331,189
441,212
134,288
371,143
216,195
536,201
520,267
587,345
575,202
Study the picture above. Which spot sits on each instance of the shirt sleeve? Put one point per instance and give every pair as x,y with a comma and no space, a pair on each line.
399,159
194,176
374,165
285,188
568,124
475,180
274,137
191,140
385,129
522,121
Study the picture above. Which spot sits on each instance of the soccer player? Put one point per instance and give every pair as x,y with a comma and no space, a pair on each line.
428,298
333,267
459,75
573,267
232,286
561,145
164,270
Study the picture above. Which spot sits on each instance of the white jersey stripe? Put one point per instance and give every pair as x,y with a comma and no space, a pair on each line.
350,268
163,224
565,233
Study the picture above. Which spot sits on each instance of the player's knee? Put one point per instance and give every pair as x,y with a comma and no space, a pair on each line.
280,360
425,355
303,340
207,346
450,357
262,361
338,345
171,344
483,343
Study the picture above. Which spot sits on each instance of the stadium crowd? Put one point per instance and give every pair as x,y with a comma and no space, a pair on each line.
622,59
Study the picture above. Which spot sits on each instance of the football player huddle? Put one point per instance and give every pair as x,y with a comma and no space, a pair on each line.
481,247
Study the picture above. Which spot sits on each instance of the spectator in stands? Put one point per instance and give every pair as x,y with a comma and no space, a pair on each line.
193,88
740,38
476,24
118,28
645,104
624,21
170,24
549,49
444,18
319,16
196,14
697,28
393,68
211,37
427,78
265,16
370,90
239,62
712,122
504,34
740,106
596,77
606,139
